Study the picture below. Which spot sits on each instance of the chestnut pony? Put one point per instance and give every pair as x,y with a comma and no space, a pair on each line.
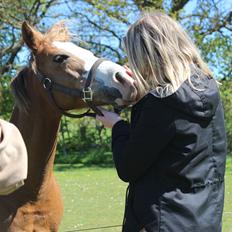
55,61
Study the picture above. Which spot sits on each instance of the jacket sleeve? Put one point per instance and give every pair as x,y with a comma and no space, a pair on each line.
136,149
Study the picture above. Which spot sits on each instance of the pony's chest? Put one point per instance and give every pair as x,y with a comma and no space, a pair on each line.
36,218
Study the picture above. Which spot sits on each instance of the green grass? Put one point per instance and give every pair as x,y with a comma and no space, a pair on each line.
94,197
227,215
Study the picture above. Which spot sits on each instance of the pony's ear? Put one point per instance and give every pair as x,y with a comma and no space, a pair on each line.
31,37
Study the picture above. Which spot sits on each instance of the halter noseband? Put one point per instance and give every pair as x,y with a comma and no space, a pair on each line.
86,94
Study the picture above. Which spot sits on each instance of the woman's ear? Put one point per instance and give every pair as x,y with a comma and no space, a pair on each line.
31,37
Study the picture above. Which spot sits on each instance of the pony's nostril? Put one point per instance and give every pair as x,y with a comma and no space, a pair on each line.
119,77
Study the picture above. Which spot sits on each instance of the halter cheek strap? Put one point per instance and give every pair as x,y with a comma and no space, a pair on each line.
88,92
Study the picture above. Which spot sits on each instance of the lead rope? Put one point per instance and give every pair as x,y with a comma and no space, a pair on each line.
95,228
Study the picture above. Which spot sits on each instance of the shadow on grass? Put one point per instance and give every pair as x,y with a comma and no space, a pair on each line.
70,167
74,166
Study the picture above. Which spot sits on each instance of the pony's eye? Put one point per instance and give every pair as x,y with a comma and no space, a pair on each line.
60,58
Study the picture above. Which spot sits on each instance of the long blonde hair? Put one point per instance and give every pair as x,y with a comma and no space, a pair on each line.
161,54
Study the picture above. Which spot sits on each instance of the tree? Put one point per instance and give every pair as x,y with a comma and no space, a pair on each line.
100,25
103,24
207,21
12,14
226,94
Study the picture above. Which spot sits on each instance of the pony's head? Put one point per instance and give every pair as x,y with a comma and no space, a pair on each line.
55,58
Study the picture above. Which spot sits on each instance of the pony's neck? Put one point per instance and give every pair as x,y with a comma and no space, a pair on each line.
39,127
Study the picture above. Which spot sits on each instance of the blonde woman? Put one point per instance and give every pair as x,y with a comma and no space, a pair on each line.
173,152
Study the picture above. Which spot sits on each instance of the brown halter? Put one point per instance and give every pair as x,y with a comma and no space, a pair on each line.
86,94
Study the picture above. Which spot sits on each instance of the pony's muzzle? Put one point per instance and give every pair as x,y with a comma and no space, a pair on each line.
119,77
128,84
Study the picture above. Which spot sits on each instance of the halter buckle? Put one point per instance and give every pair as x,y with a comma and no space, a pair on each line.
47,83
87,94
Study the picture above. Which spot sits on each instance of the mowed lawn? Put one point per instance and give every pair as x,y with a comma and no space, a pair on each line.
95,197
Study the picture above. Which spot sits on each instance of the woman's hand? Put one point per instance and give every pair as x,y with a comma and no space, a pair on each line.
109,118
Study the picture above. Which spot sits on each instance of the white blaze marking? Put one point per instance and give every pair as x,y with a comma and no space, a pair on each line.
106,70
78,52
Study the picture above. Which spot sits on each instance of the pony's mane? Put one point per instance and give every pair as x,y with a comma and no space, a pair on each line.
18,87
58,32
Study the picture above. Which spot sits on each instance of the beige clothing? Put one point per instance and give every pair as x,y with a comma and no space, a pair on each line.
13,158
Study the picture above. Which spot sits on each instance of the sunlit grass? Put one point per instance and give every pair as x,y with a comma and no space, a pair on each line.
94,197
227,215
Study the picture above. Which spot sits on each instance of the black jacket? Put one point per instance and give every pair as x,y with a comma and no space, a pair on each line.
173,156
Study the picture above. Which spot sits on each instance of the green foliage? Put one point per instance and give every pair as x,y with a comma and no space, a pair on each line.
84,141
209,24
6,98
226,94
